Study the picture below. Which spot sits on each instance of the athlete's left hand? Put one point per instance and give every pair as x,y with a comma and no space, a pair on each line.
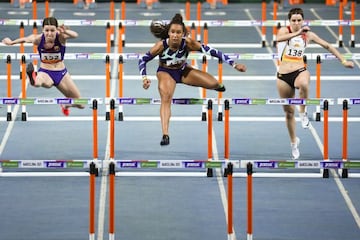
240,67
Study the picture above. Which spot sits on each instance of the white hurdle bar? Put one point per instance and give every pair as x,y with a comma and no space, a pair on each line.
188,167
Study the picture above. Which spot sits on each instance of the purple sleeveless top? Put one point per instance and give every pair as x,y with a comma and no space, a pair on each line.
52,55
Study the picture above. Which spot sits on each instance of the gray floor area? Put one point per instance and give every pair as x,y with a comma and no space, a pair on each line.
178,208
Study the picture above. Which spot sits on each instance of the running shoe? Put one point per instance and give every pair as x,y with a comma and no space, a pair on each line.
304,120
30,73
295,149
165,140
220,88
64,110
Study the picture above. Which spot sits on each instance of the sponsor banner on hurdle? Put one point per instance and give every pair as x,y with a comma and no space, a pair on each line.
179,164
235,101
47,164
44,101
173,164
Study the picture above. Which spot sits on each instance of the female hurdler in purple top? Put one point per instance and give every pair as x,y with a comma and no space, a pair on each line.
173,51
52,71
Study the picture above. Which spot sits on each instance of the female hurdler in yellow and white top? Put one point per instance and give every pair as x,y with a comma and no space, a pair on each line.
292,73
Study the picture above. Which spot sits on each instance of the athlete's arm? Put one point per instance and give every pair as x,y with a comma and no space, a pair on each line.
194,45
150,55
315,38
28,39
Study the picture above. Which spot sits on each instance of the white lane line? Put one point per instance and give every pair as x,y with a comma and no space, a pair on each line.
104,176
9,129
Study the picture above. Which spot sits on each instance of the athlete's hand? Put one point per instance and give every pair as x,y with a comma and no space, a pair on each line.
7,41
62,28
146,83
348,64
240,67
304,29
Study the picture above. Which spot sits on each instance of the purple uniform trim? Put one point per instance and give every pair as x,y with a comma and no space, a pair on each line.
51,55
176,74
56,75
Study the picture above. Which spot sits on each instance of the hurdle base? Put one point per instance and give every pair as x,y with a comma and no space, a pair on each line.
8,117
23,116
352,44
220,116
326,173
203,116
209,172
121,116
344,173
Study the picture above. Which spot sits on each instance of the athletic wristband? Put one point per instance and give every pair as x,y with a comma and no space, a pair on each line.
144,77
234,65
343,62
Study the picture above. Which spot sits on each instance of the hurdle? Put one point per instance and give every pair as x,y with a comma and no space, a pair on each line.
162,164
343,172
52,167
271,163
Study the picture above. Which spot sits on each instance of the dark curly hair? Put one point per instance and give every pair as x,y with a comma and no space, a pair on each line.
160,29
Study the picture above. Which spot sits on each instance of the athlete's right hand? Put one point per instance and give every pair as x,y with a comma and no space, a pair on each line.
146,83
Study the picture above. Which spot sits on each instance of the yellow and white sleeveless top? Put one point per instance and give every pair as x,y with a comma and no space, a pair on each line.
292,50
